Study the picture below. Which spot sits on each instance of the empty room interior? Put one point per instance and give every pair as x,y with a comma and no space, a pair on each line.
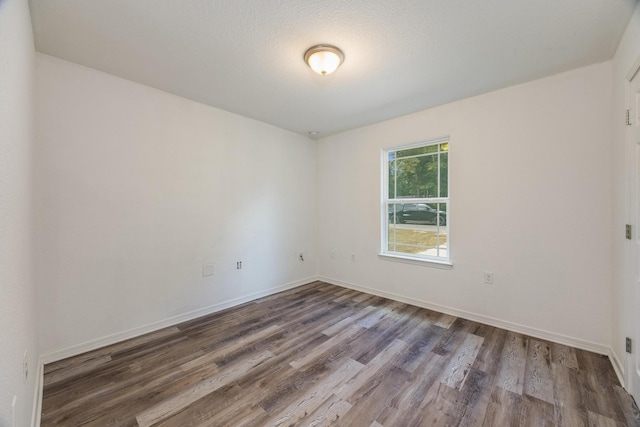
355,213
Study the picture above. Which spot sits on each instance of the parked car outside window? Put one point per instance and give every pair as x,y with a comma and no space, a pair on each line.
416,212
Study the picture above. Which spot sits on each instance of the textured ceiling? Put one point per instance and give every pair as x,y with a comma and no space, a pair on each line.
401,56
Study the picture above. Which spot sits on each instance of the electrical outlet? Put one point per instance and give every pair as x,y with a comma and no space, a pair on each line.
353,257
239,265
25,364
208,270
488,278
301,256
333,253
628,345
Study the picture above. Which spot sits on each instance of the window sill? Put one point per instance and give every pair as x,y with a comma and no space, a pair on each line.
446,265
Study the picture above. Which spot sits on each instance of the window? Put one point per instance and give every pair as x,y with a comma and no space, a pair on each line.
415,197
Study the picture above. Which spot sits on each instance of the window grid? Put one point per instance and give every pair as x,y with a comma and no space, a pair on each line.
433,239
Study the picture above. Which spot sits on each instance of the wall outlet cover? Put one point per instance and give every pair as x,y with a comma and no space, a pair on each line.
208,270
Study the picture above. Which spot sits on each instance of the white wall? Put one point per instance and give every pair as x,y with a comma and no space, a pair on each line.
627,53
530,180
17,292
138,189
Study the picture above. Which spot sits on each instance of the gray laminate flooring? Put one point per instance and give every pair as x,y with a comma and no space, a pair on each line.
322,355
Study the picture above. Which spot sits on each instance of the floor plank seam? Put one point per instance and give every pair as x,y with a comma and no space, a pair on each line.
322,355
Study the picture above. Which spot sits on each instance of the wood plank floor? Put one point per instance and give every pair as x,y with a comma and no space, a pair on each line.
322,355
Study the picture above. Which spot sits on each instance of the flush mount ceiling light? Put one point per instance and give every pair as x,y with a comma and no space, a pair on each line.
323,59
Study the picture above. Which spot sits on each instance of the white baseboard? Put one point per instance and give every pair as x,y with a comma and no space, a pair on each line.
617,366
37,395
75,350
510,326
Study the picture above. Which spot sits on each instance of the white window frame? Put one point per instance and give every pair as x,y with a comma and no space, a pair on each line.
438,261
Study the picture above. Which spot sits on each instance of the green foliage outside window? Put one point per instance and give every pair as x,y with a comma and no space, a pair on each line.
413,173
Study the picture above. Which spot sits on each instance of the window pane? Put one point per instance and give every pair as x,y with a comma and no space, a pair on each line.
417,239
436,214
392,238
417,151
392,179
444,176
395,213
416,177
